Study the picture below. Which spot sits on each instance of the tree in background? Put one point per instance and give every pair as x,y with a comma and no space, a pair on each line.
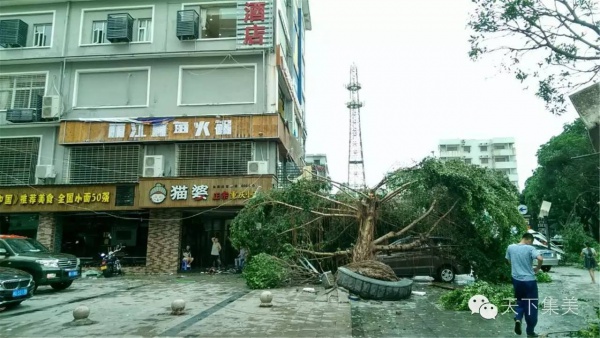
554,44
475,206
567,178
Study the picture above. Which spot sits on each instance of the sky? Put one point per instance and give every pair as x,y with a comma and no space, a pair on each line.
418,86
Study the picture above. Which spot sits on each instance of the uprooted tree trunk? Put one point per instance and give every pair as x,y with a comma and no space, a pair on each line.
365,211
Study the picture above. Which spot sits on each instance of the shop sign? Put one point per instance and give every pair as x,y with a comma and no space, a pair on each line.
232,195
254,24
181,128
57,198
178,192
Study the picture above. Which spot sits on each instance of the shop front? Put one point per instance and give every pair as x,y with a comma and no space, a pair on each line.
190,212
76,219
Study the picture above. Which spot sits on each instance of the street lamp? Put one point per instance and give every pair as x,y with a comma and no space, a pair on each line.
543,216
587,105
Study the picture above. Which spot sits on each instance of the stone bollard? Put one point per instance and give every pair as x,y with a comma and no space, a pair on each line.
177,306
81,312
80,317
265,299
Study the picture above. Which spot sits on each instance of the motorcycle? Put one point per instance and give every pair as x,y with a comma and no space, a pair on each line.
110,263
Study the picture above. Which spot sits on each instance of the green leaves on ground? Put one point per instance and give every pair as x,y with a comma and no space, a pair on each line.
497,294
543,277
264,272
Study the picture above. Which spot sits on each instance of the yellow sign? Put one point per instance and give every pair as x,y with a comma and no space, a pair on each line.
52,199
233,195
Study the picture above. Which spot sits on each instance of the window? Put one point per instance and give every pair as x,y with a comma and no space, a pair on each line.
217,84
467,149
317,162
99,32
18,159
499,146
452,148
144,29
484,160
213,158
21,91
483,148
467,160
218,21
42,33
104,164
119,87
501,159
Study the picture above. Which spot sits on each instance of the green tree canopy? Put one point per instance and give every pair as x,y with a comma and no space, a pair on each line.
475,206
568,177
551,44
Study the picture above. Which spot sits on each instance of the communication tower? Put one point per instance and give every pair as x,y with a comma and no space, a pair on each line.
356,165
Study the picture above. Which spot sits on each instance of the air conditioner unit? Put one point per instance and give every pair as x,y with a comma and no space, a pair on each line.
258,167
483,144
13,33
188,25
153,166
22,115
45,171
50,107
483,156
119,27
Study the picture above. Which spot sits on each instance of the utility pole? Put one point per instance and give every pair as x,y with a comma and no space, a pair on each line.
356,165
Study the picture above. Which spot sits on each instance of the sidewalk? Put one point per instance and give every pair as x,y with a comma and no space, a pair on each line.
216,306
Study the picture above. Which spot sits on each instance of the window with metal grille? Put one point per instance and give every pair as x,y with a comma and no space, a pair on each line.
18,159
21,91
213,158
104,163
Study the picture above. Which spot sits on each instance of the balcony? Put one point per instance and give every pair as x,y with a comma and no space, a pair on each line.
504,152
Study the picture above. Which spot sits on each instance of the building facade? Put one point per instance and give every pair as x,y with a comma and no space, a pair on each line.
146,123
318,163
497,153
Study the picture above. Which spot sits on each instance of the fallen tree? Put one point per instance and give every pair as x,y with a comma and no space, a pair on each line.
348,227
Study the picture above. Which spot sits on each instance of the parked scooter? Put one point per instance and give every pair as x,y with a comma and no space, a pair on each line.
110,263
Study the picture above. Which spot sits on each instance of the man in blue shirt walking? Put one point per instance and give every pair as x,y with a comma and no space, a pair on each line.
521,256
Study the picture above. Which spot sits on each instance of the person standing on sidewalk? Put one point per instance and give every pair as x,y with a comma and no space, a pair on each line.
589,260
520,257
215,253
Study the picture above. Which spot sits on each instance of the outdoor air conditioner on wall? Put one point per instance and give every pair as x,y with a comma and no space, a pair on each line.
119,28
45,171
258,167
153,166
50,106
188,25
22,115
13,33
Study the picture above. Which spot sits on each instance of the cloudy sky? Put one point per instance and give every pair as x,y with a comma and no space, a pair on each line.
419,86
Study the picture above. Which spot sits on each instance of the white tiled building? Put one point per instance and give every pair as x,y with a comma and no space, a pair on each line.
496,153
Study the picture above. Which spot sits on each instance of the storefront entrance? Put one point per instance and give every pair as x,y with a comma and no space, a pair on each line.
19,224
87,235
198,231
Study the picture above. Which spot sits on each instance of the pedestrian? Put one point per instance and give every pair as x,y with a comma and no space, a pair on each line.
589,260
215,253
521,256
241,259
187,257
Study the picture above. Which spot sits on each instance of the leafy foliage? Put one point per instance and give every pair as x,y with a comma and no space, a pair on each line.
571,184
593,329
543,277
458,300
574,239
485,215
553,44
264,272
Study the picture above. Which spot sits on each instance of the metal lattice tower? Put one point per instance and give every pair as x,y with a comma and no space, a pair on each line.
356,165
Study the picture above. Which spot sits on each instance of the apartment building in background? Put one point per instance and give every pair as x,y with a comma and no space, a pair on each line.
497,153
146,123
318,163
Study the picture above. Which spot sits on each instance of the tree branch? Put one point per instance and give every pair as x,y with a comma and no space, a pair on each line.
396,192
392,234
301,226
332,200
325,254
342,186
441,218
312,211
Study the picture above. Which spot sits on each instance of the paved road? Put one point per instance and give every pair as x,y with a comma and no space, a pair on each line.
216,306
422,316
